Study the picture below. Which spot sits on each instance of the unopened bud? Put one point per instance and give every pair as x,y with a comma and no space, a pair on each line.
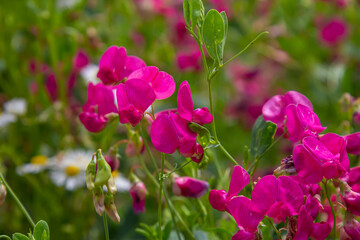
98,198
90,174
138,193
2,193
113,160
286,168
198,153
110,208
135,145
103,172
189,187
110,185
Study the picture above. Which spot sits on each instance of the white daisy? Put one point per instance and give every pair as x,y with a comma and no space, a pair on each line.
6,119
16,106
36,165
69,167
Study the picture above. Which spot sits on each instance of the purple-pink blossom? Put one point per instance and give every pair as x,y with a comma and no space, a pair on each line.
115,65
133,98
189,187
219,199
321,157
138,193
353,143
334,31
100,103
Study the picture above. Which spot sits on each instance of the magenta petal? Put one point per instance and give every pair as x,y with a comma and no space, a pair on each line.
185,102
293,97
353,143
163,85
218,199
130,115
92,121
320,231
309,119
264,193
202,116
107,76
139,93
190,187
336,144
305,225
245,213
290,193
186,146
307,166
312,206
243,235
121,96
164,135
274,110
132,63
239,179
113,60
293,123
145,73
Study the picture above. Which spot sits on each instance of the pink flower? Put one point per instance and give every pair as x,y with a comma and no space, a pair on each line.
307,228
161,82
170,132
247,216
352,201
115,65
138,193
189,187
353,143
100,103
185,107
317,158
351,227
274,109
51,87
219,199
80,60
133,98
301,121
333,31
277,197
353,179
189,61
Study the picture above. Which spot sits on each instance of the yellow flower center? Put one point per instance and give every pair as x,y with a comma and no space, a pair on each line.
114,173
38,160
72,171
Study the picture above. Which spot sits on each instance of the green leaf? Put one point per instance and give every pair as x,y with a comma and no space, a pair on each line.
5,237
39,230
167,230
193,12
213,31
246,157
223,15
19,236
203,134
262,136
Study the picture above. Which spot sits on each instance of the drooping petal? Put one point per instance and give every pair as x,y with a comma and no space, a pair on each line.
336,144
130,115
307,166
239,179
185,102
309,119
265,193
245,213
164,135
293,97
202,116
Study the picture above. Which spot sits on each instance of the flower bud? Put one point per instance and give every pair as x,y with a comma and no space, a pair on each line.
218,199
198,153
286,167
110,185
113,160
103,172
2,193
135,145
90,174
110,208
138,193
98,199
189,187
352,202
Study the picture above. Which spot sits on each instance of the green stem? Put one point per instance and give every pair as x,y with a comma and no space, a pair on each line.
22,208
331,206
212,112
106,229
181,220
227,154
247,46
273,227
178,168
148,173
148,150
161,175
172,213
